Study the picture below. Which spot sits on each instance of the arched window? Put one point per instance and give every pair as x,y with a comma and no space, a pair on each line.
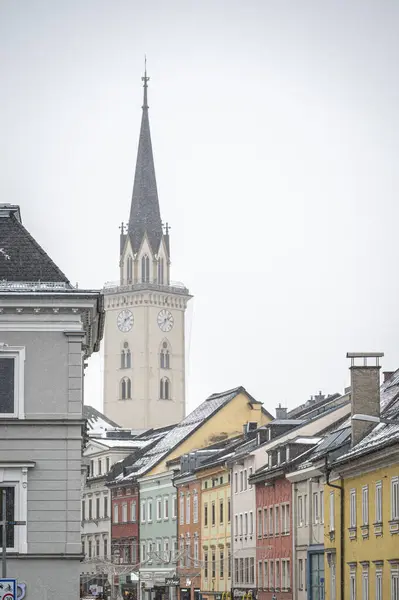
145,268
164,356
129,269
126,388
160,270
126,357
164,389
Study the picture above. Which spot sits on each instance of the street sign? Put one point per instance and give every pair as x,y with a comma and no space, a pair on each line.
8,589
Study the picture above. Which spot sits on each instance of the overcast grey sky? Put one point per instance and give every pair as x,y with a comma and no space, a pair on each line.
275,134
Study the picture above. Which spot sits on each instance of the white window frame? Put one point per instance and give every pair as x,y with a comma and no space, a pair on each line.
378,584
124,512
352,508
321,506
166,508
395,499
143,511
394,582
159,509
149,510
315,508
332,512
174,506
196,551
378,502
333,579
365,583
300,511
133,511
266,574
300,574
251,522
365,505
188,509
195,507
352,584
115,516
18,354
16,476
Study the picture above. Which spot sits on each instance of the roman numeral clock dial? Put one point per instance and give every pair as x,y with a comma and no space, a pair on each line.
165,320
125,320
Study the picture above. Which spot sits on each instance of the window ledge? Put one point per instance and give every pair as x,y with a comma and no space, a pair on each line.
365,531
394,526
352,533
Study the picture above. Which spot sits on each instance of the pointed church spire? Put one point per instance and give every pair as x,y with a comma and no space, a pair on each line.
144,212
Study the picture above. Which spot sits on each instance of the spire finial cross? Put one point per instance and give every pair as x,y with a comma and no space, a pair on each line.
146,80
166,227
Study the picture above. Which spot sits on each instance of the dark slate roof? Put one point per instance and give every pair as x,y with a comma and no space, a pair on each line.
21,257
96,420
145,217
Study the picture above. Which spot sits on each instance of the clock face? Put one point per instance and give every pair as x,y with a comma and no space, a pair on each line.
165,320
125,320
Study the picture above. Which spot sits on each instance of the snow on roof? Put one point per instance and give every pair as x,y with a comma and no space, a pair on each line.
179,433
96,421
120,443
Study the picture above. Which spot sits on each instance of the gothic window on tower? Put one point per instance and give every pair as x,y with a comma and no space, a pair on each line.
161,263
164,389
126,389
164,356
145,269
126,357
129,269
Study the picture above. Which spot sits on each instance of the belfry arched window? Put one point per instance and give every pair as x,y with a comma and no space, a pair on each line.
164,356
129,269
126,357
145,268
161,263
126,388
164,389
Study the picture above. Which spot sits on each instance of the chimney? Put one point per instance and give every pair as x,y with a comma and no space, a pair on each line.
281,413
365,390
388,375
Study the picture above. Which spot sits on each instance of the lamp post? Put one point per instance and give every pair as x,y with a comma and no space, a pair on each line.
376,420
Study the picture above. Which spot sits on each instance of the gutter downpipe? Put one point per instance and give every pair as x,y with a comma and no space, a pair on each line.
175,474
342,536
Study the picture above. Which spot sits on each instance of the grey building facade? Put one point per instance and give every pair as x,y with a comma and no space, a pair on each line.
47,331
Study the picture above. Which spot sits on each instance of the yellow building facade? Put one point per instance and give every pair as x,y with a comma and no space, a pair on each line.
215,533
370,542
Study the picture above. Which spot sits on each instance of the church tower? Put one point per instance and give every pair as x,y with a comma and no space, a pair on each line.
144,342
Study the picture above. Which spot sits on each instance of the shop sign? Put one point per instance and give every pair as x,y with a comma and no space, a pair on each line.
172,580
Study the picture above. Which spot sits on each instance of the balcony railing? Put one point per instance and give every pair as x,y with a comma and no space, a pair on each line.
175,287
34,286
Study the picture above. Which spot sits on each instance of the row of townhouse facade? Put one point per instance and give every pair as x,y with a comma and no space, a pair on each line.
299,507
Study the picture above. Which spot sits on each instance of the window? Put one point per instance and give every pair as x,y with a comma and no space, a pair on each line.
126,388
164,356
149,551
12,361
277,573
105,547
90,509
213,514
316,576
246,561
161,270
105,507
174,507
245,523
133,511
196,552
395,498
249,476
352,585
126,357
333,580
241,481
90,546
236,571
206,515
265,522
365,506
221,564
365,584
235,525
145,269
315,507
321,507
285,574
107,464
271,521
206,565
221,515
300,574
188,509
228,510
271,574
241,577
10,514
159,509
300,511
378,502
252,570
116,513
352,511
166,508
259,525
229,562
97,507
332,512
181,519
305,509
277,520
83,517
266,574
251,523
395,583
236,482
378,584
213,564
149,513
188,551
164,389
245,479
143,511
285,518
99,466
124,512
97,546
241,524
